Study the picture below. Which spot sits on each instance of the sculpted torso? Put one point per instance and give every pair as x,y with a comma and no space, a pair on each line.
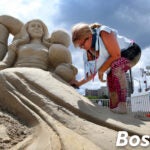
33,54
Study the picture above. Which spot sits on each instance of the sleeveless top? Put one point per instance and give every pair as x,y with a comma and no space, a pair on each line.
91,67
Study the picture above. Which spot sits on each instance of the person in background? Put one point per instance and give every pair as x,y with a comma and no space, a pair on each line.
105,51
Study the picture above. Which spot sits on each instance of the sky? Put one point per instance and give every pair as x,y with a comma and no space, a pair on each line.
130,17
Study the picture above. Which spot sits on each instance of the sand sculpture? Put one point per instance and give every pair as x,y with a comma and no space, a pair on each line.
39,110
34,73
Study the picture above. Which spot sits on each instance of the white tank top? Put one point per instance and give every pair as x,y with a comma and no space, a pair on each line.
91,67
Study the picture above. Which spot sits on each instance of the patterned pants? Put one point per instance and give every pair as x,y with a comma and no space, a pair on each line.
116,80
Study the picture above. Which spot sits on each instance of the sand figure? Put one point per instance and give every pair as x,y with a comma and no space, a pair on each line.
34,87
31,48
29,86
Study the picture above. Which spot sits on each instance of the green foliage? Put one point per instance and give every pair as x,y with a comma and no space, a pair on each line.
98,97
92,97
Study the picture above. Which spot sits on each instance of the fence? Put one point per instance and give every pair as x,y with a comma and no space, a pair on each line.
101,102
105,103
140,105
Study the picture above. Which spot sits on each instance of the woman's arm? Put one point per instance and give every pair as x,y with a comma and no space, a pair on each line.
81,82
113,49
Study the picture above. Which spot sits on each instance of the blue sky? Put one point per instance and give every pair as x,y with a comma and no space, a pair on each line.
130,17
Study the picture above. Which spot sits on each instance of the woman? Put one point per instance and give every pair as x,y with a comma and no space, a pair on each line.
106,51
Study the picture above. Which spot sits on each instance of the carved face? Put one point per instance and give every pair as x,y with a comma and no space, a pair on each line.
35,29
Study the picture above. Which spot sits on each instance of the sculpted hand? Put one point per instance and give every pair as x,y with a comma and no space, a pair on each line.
13,46
100,75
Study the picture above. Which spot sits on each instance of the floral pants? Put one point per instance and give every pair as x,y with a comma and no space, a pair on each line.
116,80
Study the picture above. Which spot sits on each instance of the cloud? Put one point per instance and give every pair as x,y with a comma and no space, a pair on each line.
130,18
20,8
26,10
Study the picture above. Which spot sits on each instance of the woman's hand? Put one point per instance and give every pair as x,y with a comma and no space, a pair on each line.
100,75
75,84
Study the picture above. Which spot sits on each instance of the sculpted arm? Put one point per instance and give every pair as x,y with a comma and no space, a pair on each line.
8,59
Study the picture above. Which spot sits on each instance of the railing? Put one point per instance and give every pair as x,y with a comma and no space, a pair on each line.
101,102
140,105
105,103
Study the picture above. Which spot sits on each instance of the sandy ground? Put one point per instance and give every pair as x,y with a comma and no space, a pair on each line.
12,131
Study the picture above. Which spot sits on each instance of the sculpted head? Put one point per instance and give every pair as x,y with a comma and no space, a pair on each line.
34,26
33,29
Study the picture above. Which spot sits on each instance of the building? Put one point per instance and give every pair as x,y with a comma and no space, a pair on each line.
97,92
